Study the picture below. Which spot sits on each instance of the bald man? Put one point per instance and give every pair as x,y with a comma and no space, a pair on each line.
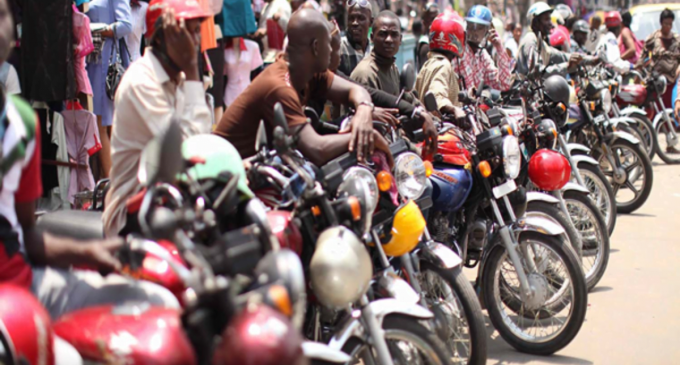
298,75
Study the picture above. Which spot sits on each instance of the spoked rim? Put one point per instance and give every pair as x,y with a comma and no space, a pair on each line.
551,318
636,177
403,346
438,292
598,192
586,225
664,136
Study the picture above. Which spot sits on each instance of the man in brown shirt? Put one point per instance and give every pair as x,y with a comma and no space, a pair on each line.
296,76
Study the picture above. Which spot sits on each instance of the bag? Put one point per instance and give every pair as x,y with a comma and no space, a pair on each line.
116,70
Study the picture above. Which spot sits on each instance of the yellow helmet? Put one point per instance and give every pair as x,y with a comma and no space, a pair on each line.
407,228
557,18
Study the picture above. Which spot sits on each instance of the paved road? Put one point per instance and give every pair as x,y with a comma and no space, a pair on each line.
634,313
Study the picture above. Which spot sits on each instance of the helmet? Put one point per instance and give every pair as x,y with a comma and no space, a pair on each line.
214,155
26,331
564,10
559,37
536,10
557,18
184,9
581,26
612,19
479,14
556,88
447,34
340,255
407,227
549,170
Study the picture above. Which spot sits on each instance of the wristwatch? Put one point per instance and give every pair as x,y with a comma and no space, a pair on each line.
368,104
417,112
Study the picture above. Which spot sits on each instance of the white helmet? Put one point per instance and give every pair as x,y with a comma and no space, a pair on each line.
536,10
564,10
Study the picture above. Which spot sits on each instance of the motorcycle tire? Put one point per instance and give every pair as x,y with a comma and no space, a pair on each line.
472,310
641,196
595,243
661,135
647,129
594,179
636,132
398,326
553,212
579,295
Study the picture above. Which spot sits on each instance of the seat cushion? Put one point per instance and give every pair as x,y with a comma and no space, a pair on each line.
79,224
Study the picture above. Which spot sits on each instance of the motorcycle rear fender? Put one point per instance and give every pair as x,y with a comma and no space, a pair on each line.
537,224
613,136
538,196
380,308
629,110
659,117
583,158
323,352
577,147
440,255
570,186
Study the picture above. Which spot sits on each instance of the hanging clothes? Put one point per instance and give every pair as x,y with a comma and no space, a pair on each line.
208,39
236,19
82,141
47,72
82,39
237,67
134,39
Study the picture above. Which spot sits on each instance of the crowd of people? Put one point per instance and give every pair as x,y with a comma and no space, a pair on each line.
219,67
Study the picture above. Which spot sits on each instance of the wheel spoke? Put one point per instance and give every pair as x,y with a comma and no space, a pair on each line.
632,187
629,168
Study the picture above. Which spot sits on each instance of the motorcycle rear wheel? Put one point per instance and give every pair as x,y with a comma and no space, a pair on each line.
647,129
601,192
403,333
457,291
553,212
663,135
571,287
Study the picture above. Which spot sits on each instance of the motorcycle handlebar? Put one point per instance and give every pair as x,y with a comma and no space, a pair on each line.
147,246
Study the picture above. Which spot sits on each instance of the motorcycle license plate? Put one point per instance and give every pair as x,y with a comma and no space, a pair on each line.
504,189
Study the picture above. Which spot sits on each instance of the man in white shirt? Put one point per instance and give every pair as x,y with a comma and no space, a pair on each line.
279,11
162,85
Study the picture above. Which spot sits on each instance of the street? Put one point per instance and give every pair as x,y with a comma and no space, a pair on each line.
634,313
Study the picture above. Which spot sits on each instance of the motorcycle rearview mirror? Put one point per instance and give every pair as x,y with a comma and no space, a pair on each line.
280,117
407,79
163,224
430,102
161,159
261,141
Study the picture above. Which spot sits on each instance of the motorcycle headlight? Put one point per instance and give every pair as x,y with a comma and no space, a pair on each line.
511,156
606,100
349,186
409,173
661,84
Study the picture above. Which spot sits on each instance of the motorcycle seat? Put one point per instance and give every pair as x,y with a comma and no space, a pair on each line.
78,224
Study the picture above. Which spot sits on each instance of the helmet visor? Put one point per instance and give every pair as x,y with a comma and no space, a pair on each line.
476,32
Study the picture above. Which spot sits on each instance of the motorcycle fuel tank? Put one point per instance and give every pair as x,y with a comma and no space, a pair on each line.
451,186
632,94
286,231
127,334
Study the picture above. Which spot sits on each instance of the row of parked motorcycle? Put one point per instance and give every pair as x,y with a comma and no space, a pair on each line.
290,263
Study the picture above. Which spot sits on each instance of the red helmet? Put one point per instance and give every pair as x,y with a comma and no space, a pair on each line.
559,37
549,170
612,19
25,327
447,34
184,9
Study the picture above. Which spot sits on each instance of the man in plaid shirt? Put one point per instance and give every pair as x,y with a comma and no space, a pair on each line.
476,65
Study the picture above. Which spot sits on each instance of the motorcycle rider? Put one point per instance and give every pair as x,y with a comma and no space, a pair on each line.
579,36
609,43
163,84
59,287
378,70
476,65
430,12
297,75
558,62
438,74
355,44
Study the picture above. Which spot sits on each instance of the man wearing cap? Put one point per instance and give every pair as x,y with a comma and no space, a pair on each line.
162,85
610,45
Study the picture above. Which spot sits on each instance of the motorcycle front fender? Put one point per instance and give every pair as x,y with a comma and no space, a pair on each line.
537,224
380,309
583,158
659,117
570,186
629,110
613,136
322,352
571,147
440,255
538,196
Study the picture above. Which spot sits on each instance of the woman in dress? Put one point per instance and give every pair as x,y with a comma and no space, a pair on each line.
116,14
241,57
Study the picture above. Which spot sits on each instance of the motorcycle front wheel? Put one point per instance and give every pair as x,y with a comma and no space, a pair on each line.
553,317
554,213
668,146
594,236
458,314
409,343
634,192
646,129
601,192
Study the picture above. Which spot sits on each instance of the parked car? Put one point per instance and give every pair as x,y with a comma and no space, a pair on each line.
646,18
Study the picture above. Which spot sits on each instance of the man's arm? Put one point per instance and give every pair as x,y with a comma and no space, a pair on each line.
321,149
440,88
498,78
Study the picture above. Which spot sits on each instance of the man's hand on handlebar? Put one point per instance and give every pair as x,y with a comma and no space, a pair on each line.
363,137
382,145
677,109
430,134
387,116
574,60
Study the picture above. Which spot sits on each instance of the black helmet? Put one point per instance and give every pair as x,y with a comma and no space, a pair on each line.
581,26
557,92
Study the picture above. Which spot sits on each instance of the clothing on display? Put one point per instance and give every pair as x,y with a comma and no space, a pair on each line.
134,39
236,19
82,141
82,39
238,68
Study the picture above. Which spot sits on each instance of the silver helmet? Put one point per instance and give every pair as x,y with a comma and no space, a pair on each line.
340,269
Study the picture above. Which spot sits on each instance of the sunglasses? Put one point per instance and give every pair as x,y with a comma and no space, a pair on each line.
361,3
